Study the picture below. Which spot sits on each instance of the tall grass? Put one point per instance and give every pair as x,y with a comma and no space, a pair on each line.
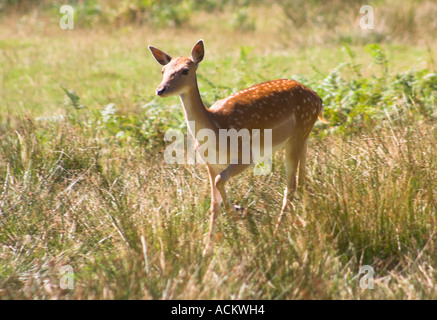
106,210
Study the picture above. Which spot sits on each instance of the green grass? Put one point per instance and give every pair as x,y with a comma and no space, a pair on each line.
83,182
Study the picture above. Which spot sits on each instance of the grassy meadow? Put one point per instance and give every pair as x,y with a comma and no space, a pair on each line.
83,182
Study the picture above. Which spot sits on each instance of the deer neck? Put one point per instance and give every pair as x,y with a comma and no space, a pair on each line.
196,114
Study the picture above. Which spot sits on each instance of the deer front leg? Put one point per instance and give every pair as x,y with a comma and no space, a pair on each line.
221,179
215,194
214,210
218,182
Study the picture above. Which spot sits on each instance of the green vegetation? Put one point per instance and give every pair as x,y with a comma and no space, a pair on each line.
83,181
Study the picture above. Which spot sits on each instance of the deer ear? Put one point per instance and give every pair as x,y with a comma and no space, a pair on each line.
160,56
198,52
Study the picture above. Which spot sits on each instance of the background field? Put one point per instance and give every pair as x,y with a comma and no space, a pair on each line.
82,177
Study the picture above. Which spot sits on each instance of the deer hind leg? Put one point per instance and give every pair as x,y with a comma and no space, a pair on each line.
302,163
293,155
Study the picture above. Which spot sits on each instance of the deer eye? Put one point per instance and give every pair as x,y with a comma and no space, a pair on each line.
185,71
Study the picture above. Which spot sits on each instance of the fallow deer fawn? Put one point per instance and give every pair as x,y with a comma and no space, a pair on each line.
286,107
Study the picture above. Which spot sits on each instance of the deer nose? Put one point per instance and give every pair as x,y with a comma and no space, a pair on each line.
160,90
